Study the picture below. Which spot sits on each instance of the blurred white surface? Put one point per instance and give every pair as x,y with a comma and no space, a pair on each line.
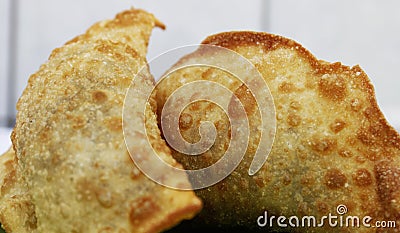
4,16
5,141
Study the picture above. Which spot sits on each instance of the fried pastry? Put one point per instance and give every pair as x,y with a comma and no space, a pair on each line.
17,211
333,147
71,156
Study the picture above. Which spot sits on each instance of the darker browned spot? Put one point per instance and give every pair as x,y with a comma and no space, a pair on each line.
246,97
195,106
99,97
323,145
131,51
206,75
362,177
379,134
114,124
78,122
135,173
9,181
86,188
9,164
222,187
259,181
371,113
185,121
337,126
141,209
108,48
45,133
332,87
301,154
107,229
294,119
303,208
334,179
104,48
367,136
286,87
322,207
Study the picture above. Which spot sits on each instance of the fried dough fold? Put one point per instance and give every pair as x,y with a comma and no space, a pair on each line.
332,148
71,159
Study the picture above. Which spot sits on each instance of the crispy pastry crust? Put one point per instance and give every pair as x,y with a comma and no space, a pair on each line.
17,211
333,145
70,151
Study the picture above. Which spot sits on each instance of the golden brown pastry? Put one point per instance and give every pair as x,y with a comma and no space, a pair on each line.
332,147
76,172
17,211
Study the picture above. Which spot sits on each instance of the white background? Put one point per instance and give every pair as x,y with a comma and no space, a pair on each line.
365,32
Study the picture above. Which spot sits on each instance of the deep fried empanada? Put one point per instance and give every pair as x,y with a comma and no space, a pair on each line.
17,211
333,146
69,142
